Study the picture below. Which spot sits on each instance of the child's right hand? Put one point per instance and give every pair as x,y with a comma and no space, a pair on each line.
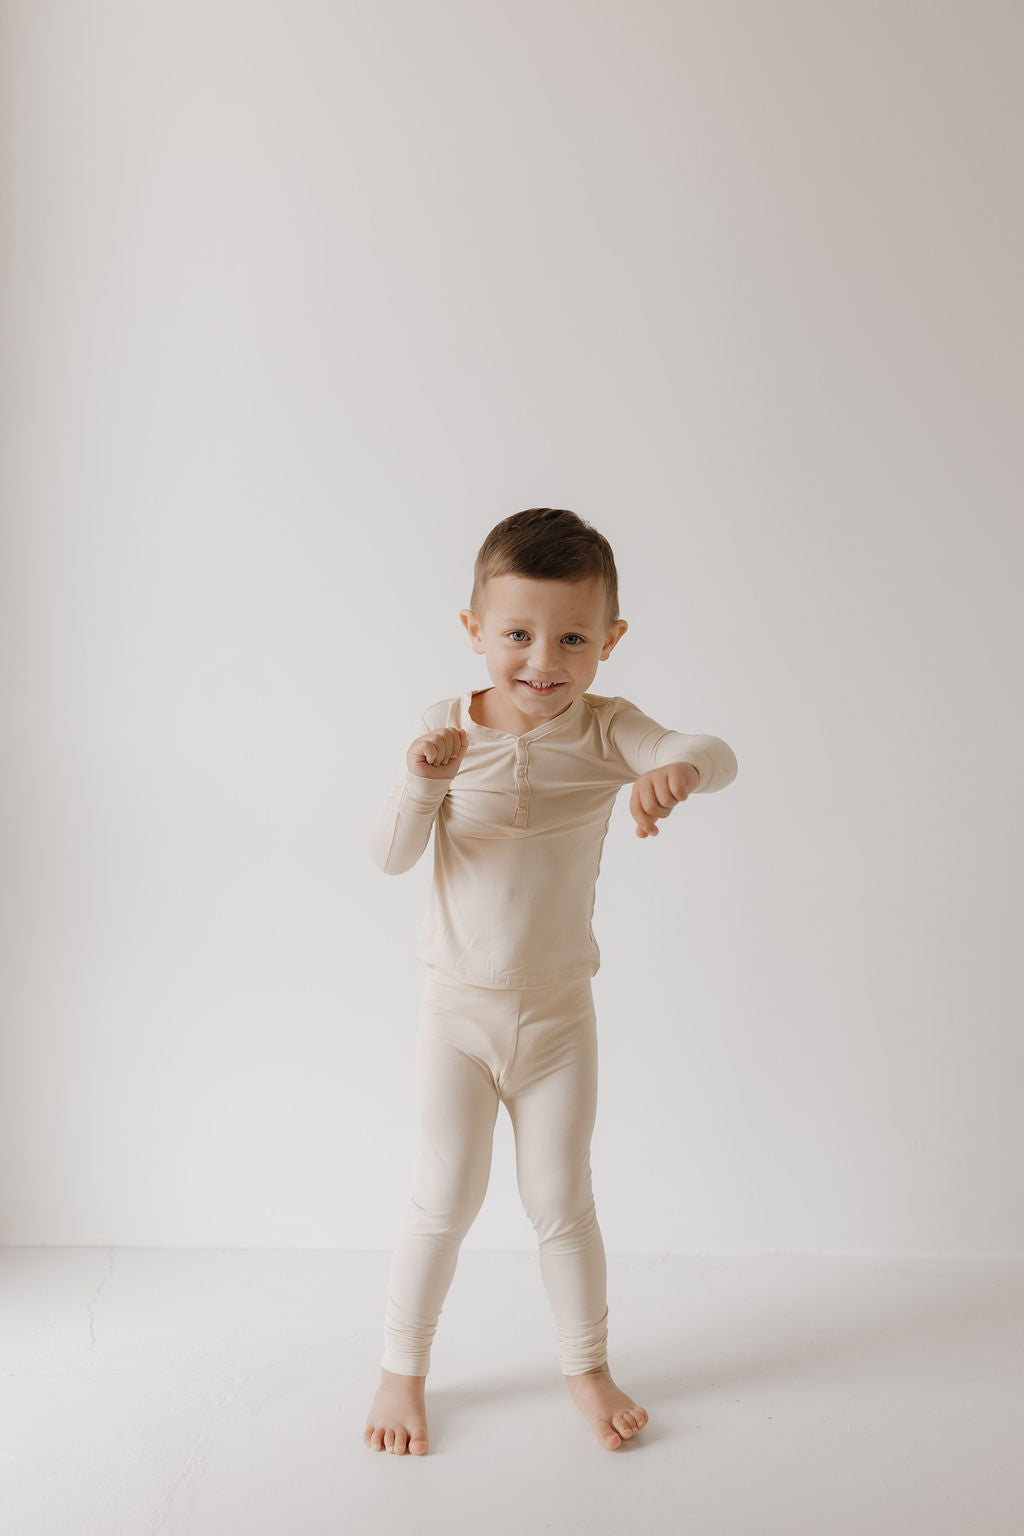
438,754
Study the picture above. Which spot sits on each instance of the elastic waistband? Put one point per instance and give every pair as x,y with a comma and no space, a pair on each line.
437,975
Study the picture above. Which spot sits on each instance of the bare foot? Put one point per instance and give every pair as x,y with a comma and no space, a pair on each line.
398,1420
612,1415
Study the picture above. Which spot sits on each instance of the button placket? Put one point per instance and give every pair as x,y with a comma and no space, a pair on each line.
522,783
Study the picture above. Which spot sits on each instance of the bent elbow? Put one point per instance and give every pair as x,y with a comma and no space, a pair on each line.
389,859
394,867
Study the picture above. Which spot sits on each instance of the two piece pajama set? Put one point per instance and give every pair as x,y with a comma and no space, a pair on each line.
507,1013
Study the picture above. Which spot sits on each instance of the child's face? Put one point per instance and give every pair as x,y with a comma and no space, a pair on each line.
544,632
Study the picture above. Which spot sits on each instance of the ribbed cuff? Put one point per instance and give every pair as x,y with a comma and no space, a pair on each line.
405,1365
407,1340
584,1349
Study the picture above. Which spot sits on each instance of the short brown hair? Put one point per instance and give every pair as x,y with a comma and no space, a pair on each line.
550,544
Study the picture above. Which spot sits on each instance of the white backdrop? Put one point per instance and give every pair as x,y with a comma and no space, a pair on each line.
299,301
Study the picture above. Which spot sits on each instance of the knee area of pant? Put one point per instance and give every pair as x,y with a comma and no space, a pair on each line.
556,1226
566,1190
450,1222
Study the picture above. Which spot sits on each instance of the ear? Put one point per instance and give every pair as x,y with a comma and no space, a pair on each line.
472,627
613,637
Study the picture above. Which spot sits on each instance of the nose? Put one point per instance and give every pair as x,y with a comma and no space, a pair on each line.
543,658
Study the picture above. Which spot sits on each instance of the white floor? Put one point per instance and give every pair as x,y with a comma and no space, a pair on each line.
164,1392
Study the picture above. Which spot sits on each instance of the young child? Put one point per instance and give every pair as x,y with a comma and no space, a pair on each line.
518,781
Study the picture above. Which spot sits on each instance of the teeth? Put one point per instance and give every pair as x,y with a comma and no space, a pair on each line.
540,687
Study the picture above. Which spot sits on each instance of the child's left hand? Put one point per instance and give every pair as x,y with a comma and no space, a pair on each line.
656,793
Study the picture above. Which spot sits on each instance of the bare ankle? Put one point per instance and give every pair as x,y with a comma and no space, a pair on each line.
399,1378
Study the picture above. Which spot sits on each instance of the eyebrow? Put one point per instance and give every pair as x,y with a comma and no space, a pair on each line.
522,623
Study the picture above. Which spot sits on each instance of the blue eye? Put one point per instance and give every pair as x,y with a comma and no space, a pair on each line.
573,636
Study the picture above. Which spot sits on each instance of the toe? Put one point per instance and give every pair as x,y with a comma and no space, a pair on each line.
377,1439
389,1439
611,1438
401,1440
418,1445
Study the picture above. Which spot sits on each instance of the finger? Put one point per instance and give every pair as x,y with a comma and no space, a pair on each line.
684,779
457,742
644,825
646,803
655,803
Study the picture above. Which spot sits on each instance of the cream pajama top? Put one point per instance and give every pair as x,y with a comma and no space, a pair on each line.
518,833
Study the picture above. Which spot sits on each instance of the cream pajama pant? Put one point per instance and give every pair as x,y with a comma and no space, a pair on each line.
534,1049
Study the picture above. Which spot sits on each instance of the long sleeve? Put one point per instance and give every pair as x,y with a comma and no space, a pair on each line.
643,744
401,829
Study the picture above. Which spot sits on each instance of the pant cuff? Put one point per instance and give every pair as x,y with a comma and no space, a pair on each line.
407,1340
405,1365
585,1349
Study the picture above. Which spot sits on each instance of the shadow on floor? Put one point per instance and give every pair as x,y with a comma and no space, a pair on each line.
825,1324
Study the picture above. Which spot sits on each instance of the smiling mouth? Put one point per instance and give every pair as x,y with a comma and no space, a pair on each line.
542,688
